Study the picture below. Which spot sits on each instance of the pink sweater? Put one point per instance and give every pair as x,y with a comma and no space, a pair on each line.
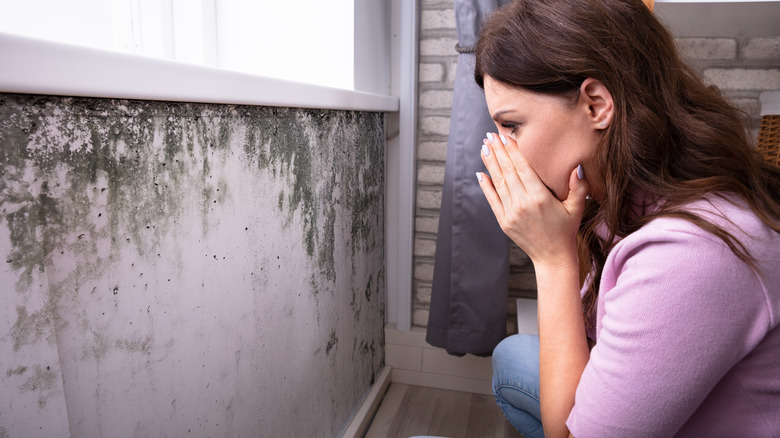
688,342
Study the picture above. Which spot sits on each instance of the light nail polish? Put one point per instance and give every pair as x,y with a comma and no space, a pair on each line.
503,139
580,173
479,176
485,150
490,137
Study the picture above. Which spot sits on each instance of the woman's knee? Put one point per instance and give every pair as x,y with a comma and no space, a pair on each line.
516,372
516,382
516,353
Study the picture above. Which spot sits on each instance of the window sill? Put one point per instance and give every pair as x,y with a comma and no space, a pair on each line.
41,67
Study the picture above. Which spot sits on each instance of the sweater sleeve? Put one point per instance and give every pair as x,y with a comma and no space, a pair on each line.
677,309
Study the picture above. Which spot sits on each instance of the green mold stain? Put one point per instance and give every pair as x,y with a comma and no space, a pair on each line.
140,155
30,327
43,381
16,372
32,226
320,153
140,164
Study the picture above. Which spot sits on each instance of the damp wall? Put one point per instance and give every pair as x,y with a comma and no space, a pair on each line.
177,269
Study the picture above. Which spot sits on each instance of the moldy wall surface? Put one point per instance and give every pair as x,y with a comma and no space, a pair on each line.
174,269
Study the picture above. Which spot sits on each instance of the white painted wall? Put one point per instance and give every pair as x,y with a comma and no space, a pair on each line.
187,269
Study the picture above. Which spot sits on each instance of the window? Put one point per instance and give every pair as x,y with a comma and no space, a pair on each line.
310,41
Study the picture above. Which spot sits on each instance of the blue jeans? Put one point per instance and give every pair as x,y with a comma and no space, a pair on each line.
516,383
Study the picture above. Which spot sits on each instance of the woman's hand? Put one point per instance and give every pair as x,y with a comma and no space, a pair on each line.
545,228
527,211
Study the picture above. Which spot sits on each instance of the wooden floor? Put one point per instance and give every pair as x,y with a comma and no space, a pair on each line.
408,410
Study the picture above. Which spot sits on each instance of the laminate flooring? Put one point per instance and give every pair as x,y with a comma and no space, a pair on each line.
409,410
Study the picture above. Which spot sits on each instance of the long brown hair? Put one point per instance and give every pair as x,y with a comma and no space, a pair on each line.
672,138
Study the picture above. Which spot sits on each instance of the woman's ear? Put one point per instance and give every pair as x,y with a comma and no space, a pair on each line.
598,102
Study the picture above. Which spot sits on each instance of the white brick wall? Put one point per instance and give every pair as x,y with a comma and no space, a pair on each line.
432,151
424,247
434,125
743,79
431,72
741,67
707,48
438,46
762,48
430,174
436,99
428,200
436,76
437,19
424,224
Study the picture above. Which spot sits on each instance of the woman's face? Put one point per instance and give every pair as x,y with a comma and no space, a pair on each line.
553,134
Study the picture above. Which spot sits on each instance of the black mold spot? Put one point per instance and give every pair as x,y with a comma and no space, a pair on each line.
369,288
356,308
366,347
332,342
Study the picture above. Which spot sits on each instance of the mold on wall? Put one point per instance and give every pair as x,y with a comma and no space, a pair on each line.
179,269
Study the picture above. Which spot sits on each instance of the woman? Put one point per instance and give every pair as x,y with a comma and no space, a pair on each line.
653,227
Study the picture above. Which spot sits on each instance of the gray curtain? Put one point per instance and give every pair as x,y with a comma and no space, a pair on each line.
471,270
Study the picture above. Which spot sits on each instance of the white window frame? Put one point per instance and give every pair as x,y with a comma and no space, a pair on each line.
103,73
44,67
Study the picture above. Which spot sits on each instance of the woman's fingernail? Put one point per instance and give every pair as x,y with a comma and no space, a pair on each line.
479,176
503,139
490,137
485,150
580,173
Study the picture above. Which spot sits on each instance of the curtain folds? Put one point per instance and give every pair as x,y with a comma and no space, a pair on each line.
471,268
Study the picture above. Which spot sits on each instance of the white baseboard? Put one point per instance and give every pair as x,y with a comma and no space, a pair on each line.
358,426
412,361
415,362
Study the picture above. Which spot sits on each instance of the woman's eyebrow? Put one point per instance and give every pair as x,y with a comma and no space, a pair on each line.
498,114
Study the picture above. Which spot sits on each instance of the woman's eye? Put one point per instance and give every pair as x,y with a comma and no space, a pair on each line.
510,126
